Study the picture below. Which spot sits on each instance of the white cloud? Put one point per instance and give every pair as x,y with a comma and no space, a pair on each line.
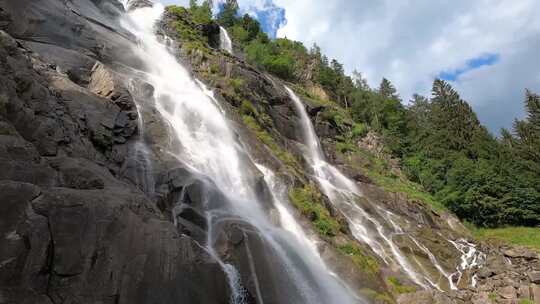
411,42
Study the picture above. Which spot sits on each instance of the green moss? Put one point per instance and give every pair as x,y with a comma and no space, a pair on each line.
338,117
380,298
309,201
345,146
492,296
237,84
520,236
384,299
397,287
215,68
525,301
362,260
286,158
379,171
359,130
247,108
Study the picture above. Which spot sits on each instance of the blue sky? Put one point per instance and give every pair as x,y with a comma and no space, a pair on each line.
487,49
471,64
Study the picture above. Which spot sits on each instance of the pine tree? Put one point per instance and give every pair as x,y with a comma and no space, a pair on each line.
359,81
528,131
228,13
387,89
454,117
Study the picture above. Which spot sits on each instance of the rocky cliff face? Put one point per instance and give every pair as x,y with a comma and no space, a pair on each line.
76,223
88,197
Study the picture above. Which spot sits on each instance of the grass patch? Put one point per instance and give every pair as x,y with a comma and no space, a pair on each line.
309,201
379,171
521,236
525,301
397,287
411,190
365,262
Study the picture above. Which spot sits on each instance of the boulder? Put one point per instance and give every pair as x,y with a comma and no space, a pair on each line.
507,292
481,298
535,292
106,83
136,4
520,252
534,276
524,292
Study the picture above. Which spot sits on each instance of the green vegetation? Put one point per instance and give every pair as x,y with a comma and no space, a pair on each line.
184,25
397,287
309,202
200,14
492,296
486,181
442,147
363,261
441,144
522,236
525,301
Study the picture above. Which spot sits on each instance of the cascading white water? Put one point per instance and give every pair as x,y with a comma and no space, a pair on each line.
343,193
210,147
286,217
470,258
224,40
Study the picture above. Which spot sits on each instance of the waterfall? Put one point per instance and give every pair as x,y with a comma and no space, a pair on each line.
376,229
285,215
211,148
224,40
343,194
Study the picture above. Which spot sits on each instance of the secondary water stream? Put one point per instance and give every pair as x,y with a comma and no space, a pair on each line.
224,40
209,146
374,226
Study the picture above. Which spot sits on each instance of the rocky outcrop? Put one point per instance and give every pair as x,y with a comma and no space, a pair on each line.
135,4
75,225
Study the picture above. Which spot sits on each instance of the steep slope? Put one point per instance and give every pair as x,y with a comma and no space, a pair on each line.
102,201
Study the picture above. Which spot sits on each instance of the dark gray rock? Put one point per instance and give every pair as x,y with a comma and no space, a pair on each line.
534,276
136,4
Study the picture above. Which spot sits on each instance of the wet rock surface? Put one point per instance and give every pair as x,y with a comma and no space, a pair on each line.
74,227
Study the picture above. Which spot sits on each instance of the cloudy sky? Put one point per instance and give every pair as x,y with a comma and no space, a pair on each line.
488,49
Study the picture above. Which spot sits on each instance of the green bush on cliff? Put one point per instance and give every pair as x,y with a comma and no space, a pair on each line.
309,202
363,261
397,287
201,14
284,156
